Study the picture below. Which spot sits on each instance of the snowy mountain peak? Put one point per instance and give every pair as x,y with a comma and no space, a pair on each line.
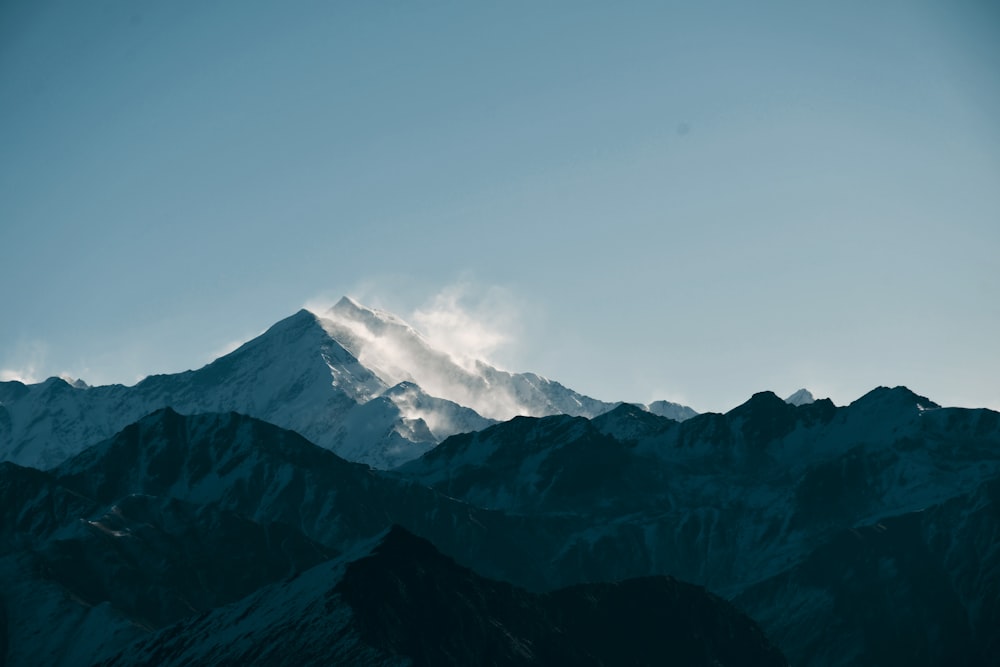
801,397
387,345
301,323
396,352
671,410
347,301
349,308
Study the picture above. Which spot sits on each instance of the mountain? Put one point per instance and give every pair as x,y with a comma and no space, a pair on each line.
670,410
858,534
294,375
239,464
404,601
396,352
918,588
79,578
801,397
840,529
357,381
177,516
768,504
557,464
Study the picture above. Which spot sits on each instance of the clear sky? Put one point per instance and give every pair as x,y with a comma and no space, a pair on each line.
642,200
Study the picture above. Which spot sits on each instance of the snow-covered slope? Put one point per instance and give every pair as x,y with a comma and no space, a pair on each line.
674,411
294,375
357,381
396,352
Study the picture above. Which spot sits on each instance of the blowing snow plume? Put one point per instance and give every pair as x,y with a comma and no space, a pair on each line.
397,352
471,335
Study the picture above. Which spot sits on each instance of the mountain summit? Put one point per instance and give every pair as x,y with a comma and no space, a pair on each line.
396,353
801,397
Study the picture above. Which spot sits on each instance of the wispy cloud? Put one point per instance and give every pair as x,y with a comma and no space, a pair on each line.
463,322
27,364
27,375
469,321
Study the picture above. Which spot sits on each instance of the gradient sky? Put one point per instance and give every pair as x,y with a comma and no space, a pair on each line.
691,201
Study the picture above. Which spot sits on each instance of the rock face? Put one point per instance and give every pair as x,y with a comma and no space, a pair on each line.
356,381
404,601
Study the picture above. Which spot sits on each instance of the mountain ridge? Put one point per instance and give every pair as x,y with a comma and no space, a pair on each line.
299,375
735,502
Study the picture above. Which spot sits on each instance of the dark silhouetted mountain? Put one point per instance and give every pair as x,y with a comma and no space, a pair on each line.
78,578
557,464
730,501
921,588
268,474
404,601
177,515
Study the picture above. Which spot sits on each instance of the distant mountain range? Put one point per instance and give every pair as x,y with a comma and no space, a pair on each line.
355,380
199,534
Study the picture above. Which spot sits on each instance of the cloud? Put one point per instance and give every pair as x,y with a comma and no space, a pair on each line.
28,375
463,323
467,319
28,365
470,322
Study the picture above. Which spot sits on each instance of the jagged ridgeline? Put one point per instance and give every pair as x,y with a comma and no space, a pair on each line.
231,515
357,381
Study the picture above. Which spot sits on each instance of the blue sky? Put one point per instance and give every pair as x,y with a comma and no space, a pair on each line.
692,201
